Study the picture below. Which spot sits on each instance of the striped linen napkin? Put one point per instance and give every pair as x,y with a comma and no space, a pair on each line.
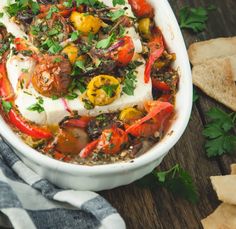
28,201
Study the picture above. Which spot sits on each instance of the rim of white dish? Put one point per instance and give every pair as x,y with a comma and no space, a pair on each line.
156,152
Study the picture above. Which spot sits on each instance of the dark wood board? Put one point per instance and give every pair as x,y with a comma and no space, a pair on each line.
145,208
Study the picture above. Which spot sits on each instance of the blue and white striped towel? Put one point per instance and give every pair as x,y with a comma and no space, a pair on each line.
28,201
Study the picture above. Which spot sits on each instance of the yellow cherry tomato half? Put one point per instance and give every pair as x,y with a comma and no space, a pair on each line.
103,90
72,52
130,114
85,23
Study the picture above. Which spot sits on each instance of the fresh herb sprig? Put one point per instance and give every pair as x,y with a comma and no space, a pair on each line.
218,132
38,106
176,180
194,18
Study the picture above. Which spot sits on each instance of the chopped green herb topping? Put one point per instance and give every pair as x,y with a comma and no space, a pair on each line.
53,9
105,43
118,2
110,89
75,35
129,83
116,14
37,106
6,106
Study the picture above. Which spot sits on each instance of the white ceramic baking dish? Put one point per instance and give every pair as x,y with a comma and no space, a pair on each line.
109,176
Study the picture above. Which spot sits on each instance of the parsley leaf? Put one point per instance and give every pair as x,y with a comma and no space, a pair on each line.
53,9
93,3
118,2
105,43
116,14
220,140
129,84
37,106
194,18
74,35
176,180
110,89
6,106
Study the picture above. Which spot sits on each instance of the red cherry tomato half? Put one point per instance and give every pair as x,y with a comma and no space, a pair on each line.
141,8
160,85
124,54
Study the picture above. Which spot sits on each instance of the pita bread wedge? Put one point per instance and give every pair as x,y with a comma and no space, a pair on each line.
217,78
225,187
200,52
224,217
233,169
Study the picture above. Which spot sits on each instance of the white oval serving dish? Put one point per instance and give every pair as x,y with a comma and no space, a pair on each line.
103,177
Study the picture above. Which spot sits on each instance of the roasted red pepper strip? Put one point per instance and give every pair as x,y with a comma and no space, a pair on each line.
81,122
156,46
6,91
34,131
13,117
89,149
159,112
141,8
160,85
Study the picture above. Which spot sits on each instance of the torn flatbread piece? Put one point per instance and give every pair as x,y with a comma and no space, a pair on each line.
225,187
217,78
224,217
200,52
233,169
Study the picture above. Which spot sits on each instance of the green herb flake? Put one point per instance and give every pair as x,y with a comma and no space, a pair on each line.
79,64
74,35
219,133
108,137
129,84
68,3
53,9
7,106
57,60
116,14
118,2
25,70
36,107
71,96
54,97
105,43
1,15
110,89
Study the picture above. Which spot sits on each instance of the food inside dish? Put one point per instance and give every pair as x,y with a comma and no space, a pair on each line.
85,82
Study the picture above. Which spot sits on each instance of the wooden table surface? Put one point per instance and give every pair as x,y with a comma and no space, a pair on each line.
145,208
